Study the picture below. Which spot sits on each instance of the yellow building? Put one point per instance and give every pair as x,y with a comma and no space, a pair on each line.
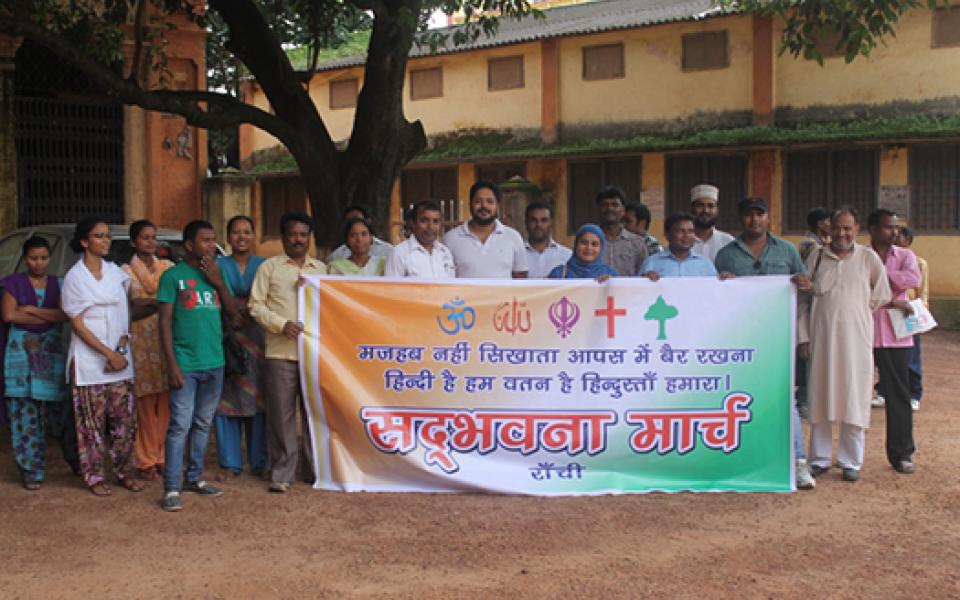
657,96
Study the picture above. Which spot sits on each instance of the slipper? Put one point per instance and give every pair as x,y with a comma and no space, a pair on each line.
131,485
31,484
147,474
101,489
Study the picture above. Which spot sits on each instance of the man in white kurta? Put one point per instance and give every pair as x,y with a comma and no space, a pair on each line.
836,331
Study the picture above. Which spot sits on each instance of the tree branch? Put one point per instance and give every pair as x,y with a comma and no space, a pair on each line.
139,25
225,110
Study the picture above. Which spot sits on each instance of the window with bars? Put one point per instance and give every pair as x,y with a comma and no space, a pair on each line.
828,178
935,188
439,185
946,27
728,172
586,177
278,196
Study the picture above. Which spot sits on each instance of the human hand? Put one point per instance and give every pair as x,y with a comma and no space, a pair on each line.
175,377
803,350
603,278
652,275
725,275
115,362
210,268
292,330
802,283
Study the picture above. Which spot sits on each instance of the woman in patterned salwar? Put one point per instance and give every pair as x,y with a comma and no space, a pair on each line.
95,299
241,410
150,384
34,383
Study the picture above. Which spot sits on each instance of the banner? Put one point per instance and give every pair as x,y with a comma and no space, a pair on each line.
549,387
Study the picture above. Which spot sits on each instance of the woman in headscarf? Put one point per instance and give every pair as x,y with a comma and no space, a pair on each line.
359,239
95,299
153,409
38,399
587,260
241,412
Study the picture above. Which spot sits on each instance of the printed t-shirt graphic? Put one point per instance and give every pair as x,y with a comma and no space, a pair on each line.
197,331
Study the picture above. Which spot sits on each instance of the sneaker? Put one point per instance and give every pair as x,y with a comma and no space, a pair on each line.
279,487
850,474
905,466
805,480
817,470
171,502
915,404
877,401
201,487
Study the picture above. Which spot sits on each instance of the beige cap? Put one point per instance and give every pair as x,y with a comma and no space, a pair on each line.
704,191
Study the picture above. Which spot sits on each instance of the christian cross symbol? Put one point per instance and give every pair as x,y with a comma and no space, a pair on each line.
611,314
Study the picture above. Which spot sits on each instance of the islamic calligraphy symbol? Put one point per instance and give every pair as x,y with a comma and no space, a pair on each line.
564,314
459,315
511,317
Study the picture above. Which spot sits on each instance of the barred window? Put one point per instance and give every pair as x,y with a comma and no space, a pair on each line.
586,177
829,178
935,188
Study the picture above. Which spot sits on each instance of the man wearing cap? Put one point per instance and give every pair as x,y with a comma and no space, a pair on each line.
759,252
704,204
625,251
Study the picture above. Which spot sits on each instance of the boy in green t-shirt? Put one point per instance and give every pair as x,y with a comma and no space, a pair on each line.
191,296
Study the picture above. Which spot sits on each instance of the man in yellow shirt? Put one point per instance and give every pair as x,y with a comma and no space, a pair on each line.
273,304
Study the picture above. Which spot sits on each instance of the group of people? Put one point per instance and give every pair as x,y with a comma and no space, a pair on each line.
159,352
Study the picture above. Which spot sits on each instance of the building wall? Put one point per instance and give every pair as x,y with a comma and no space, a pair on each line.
655,89
905,69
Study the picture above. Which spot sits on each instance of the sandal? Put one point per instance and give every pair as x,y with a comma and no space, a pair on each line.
131,485
31,484
101,489
147,474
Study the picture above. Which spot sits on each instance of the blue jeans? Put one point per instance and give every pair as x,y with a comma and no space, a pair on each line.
798,452
191,412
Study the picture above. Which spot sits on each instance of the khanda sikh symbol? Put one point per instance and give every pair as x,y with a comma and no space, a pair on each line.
511,317
564,314
459,315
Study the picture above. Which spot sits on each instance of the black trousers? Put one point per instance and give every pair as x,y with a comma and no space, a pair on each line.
893,365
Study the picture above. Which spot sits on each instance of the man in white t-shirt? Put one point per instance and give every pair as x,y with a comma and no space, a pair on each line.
483,247
705,206
422,255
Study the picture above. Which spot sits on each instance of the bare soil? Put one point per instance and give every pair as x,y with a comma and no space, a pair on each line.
887,536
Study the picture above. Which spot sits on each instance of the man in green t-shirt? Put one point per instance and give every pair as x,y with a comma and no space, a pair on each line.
191,296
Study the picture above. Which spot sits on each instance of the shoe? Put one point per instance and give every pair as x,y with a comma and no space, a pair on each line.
805,480
279,487
201,487
850,474
804,412
817,470
905,466
171,501
915,404
877,401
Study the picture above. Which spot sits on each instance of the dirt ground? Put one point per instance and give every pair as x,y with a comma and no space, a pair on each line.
888,536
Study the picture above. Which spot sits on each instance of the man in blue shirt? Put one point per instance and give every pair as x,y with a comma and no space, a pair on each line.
679,259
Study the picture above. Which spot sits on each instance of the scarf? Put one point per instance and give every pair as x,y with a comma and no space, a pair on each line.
240,283
148,281
578,269
85,291
18,285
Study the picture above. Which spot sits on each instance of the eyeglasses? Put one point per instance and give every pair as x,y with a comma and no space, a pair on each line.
101,236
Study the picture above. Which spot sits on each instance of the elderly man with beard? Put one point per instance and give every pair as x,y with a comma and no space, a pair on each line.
422,255
273,304
758,252
483,247
835,334
625,251
705,206
543,254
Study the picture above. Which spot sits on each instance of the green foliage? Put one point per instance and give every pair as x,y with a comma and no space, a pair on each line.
479,145
855,27
353,44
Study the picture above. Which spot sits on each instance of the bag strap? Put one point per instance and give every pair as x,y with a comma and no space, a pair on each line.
816,267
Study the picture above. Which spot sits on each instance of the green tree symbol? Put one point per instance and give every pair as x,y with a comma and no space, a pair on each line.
661,312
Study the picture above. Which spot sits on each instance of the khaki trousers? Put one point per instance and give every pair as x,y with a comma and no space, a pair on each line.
283,400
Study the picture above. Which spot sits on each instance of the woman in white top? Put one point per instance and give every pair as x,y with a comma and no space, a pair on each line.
95,299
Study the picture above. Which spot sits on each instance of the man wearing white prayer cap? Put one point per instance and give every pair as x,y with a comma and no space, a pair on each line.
704,204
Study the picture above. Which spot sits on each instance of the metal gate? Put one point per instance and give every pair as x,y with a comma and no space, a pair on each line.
69,144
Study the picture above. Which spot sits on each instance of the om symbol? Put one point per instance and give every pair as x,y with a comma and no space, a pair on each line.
460,316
